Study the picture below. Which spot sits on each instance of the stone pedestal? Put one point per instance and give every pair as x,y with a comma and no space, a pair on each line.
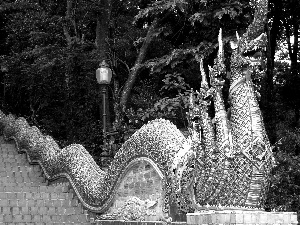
241,217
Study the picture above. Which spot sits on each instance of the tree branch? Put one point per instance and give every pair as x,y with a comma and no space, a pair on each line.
287,34
296,42
134,70
67,35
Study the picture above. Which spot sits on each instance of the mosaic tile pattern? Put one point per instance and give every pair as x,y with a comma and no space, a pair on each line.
159,141
236,174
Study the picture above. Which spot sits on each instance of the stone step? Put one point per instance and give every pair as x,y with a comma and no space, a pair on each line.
27,198
13,158
14,164
43,219
33,187
19,167
67,203
22,168
36,195
19,172
27,180
40,223
41,210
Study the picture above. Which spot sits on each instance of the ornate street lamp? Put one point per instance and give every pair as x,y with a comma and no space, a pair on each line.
103,75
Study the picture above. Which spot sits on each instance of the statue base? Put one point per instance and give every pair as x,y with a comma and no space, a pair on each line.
241,217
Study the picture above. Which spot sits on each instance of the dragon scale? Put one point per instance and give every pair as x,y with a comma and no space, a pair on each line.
243,149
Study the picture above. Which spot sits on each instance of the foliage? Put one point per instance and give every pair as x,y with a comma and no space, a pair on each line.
195,28
173,107
53,57
284,189
281,72
174,82
285,186
37,68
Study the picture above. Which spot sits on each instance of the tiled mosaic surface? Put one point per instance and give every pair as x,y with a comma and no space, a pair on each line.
159,142
233,170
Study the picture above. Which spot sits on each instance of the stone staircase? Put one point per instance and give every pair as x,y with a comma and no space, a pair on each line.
27,198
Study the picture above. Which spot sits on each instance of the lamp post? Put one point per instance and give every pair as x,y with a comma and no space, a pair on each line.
103,75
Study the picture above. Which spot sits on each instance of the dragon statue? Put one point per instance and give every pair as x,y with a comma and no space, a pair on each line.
233,165
224,163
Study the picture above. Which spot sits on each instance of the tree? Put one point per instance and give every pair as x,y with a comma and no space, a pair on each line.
273,30
51,62
284,19
291,26
190,29
284,190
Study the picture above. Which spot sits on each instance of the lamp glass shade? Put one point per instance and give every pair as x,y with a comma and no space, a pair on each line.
103,75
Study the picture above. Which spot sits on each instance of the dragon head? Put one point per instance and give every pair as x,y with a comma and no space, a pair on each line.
199,101
216,71
246,57
248,49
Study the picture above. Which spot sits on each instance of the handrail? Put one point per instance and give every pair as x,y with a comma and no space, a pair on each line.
94,187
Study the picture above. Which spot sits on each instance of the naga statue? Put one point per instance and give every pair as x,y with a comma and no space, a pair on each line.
223,164
232,167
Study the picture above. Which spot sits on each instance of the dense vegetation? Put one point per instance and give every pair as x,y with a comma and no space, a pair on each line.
50,50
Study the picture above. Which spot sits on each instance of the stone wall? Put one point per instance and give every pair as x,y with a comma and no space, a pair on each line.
141,181
140,190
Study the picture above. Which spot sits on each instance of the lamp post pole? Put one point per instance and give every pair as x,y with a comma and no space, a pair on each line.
103,75
104,115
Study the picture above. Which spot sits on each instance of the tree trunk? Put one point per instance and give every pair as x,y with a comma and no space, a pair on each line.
294,53
294,71
267,100
135,69
293,80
